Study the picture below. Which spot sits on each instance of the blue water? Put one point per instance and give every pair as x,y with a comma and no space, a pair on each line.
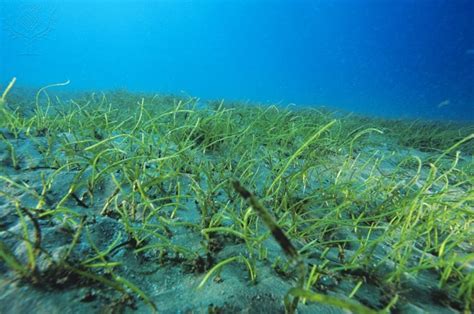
380,57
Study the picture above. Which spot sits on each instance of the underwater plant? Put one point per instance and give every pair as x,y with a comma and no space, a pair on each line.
3,99
152,203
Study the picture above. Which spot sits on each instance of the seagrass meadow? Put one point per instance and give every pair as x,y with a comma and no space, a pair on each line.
121,202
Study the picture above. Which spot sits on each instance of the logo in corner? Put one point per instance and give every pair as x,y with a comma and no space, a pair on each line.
29,23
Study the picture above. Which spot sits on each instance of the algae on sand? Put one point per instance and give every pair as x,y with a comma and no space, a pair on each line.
134,200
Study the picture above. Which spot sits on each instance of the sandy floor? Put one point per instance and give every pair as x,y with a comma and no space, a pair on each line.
170,278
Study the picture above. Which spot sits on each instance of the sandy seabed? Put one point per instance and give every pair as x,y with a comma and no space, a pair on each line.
122,202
